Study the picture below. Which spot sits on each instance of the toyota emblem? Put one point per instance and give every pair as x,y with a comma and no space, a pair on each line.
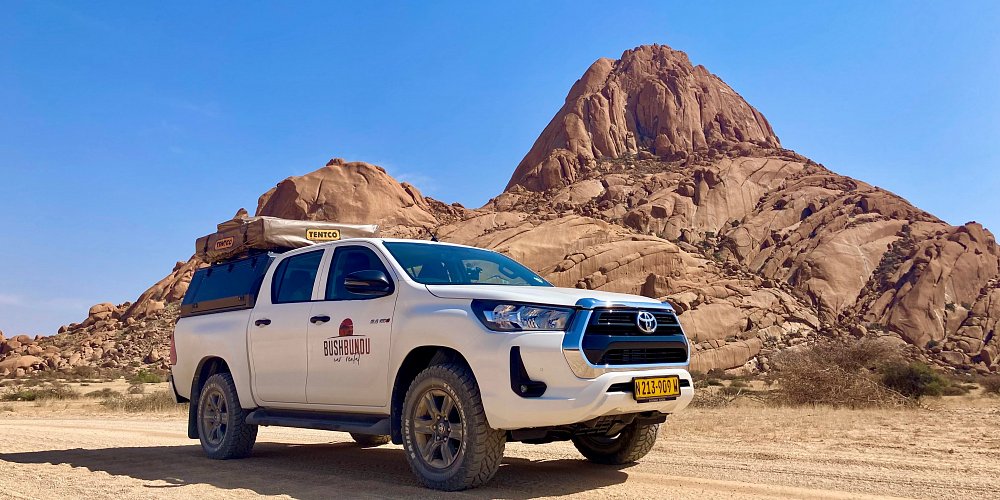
646,321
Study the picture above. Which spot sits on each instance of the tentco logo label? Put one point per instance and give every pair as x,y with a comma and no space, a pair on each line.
322,234
225,243
347,347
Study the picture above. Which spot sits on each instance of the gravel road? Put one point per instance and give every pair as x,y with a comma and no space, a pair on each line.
704,454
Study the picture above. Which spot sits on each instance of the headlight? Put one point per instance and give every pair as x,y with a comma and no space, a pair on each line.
513,317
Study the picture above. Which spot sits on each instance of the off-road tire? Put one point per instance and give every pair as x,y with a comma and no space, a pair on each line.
633,443
237,437
478,458
369,441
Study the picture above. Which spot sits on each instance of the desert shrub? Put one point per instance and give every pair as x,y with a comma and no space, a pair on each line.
991,384
84,372
145,377
837,374
957,389
718,373
7,408
711,399
738,383
732,390
102,393
136,389
29,382
714,382
913,380
56,391
157,401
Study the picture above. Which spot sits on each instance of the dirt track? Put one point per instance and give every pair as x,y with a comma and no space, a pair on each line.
730,453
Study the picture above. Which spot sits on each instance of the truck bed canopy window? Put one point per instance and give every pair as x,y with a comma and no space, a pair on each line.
225,287
453,265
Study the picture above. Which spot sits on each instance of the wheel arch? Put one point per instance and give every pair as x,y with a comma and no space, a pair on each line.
208,366
418,359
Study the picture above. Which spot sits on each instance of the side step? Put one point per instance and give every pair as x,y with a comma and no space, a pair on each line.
343,422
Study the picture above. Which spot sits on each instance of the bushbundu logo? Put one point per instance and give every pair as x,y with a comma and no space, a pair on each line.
347,347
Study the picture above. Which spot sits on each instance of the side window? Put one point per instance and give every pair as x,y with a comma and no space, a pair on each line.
347,260
293,279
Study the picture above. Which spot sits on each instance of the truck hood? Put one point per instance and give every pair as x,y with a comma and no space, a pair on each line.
535,294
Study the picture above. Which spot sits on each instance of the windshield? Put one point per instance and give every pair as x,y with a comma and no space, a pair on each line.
448,265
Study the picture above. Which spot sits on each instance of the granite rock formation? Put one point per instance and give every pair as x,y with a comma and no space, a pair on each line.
656,178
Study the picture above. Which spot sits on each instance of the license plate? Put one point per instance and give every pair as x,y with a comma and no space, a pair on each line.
656,388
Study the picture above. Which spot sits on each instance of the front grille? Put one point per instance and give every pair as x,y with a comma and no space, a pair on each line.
613,337
643,356
623,322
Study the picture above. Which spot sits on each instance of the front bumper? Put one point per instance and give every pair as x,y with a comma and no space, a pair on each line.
568,398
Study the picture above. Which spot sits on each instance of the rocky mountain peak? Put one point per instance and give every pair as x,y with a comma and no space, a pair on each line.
651,100
655,178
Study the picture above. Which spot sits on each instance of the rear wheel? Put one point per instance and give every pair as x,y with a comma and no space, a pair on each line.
631,444
368,440
222,427
448,442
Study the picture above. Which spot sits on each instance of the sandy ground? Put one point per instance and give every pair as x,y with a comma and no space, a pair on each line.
951,450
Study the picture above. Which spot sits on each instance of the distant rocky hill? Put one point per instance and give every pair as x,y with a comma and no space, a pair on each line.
656,178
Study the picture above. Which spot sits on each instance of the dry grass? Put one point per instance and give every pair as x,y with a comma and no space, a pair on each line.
991,384
54,391
159,401
105,393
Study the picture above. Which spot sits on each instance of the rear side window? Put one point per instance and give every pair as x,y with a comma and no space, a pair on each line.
293,279
347,260
225,287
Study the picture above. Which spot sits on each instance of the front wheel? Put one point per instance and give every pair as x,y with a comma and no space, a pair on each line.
448,442
222,427
631,444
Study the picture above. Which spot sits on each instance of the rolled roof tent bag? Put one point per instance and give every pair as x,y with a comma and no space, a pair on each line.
240,236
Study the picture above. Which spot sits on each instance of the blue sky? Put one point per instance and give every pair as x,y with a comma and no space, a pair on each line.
126,130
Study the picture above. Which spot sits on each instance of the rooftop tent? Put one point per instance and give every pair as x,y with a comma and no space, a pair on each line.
241,235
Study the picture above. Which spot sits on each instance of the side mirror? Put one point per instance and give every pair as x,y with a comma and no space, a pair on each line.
372,283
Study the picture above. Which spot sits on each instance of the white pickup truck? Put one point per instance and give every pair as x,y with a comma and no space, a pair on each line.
448,350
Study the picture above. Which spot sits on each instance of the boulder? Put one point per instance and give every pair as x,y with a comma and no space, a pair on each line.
350,193
101,311
152,356
21,363
10,346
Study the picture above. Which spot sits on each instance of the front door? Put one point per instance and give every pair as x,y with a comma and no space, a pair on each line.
278,330
349,336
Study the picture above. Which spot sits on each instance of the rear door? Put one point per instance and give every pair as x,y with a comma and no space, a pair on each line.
278,329
349,340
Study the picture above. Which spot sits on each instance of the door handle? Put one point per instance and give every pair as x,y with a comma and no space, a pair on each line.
262,322
319,319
